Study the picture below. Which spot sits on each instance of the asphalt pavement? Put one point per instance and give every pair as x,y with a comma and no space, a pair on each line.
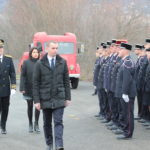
82,131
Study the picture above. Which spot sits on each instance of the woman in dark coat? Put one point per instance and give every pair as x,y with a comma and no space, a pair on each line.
26,87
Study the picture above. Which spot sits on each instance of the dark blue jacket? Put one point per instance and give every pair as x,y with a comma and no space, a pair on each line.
147,79
101,74
96,71
114,73
110,68
142,72
7,76
126,79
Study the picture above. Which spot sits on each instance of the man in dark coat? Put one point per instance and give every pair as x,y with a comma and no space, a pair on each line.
7,85
127,90
51,92
139,51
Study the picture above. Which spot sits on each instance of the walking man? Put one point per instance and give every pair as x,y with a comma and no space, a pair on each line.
51,92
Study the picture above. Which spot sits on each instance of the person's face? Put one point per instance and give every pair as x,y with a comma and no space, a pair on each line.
52,49
117,49
97,54
1,51
113,49
147,45
148,54
136,51
35,54
122,52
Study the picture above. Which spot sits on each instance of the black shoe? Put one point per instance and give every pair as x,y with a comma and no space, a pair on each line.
109,123
97,116
100,118
148,128
146,123
30,128
142,120
94,94
118,131
137,118
105,121
123,137
36,128
113,127
49,147
60,149
3,131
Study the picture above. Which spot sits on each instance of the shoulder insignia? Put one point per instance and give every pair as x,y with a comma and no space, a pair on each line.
128,63
8,56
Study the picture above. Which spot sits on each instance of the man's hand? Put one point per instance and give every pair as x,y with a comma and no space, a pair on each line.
13,91
22,92
37,106
67,103
125,98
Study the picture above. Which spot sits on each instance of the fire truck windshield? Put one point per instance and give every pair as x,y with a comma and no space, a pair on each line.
64,47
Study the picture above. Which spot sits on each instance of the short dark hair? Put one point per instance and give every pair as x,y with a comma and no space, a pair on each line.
50,42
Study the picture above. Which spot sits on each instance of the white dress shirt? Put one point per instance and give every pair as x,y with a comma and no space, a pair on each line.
50,60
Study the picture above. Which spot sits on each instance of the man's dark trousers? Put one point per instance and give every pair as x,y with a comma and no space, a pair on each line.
4,110
57,115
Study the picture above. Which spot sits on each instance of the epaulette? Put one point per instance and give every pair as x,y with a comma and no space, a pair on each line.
128,63
8,56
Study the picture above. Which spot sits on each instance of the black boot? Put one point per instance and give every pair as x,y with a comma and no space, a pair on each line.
36,127
30,127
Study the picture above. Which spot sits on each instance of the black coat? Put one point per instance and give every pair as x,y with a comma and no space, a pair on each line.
26,83
142,72
7,76
96,71
114,72
100,84
147,79
125,83
51,87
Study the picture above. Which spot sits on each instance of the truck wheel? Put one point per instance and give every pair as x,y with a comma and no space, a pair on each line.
74,83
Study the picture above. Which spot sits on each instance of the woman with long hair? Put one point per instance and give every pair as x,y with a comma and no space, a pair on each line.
26,87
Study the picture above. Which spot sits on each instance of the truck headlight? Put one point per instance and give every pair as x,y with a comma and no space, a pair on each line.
71,67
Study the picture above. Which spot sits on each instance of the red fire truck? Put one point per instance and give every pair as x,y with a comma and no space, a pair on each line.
67,49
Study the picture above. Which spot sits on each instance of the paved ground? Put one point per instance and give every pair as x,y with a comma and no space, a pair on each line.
82,130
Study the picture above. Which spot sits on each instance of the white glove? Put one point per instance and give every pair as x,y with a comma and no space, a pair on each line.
13,91
125,98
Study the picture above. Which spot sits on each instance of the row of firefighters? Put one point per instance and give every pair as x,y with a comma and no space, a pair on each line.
118,80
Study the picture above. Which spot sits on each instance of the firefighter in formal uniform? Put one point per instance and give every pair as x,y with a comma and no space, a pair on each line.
127,90
7,84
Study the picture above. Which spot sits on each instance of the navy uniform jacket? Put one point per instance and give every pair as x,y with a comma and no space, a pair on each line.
114,72
126,79
147,79
96,71
110,68
7,76
142,72
106,69
101,73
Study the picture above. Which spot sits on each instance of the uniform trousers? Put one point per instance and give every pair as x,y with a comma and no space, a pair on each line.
5,101
128,115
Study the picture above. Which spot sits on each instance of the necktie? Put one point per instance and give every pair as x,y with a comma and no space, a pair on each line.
52,64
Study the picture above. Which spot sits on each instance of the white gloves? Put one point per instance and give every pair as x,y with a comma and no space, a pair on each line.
13,91
125,98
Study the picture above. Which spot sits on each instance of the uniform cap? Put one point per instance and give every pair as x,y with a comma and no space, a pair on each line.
139,46
126,46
